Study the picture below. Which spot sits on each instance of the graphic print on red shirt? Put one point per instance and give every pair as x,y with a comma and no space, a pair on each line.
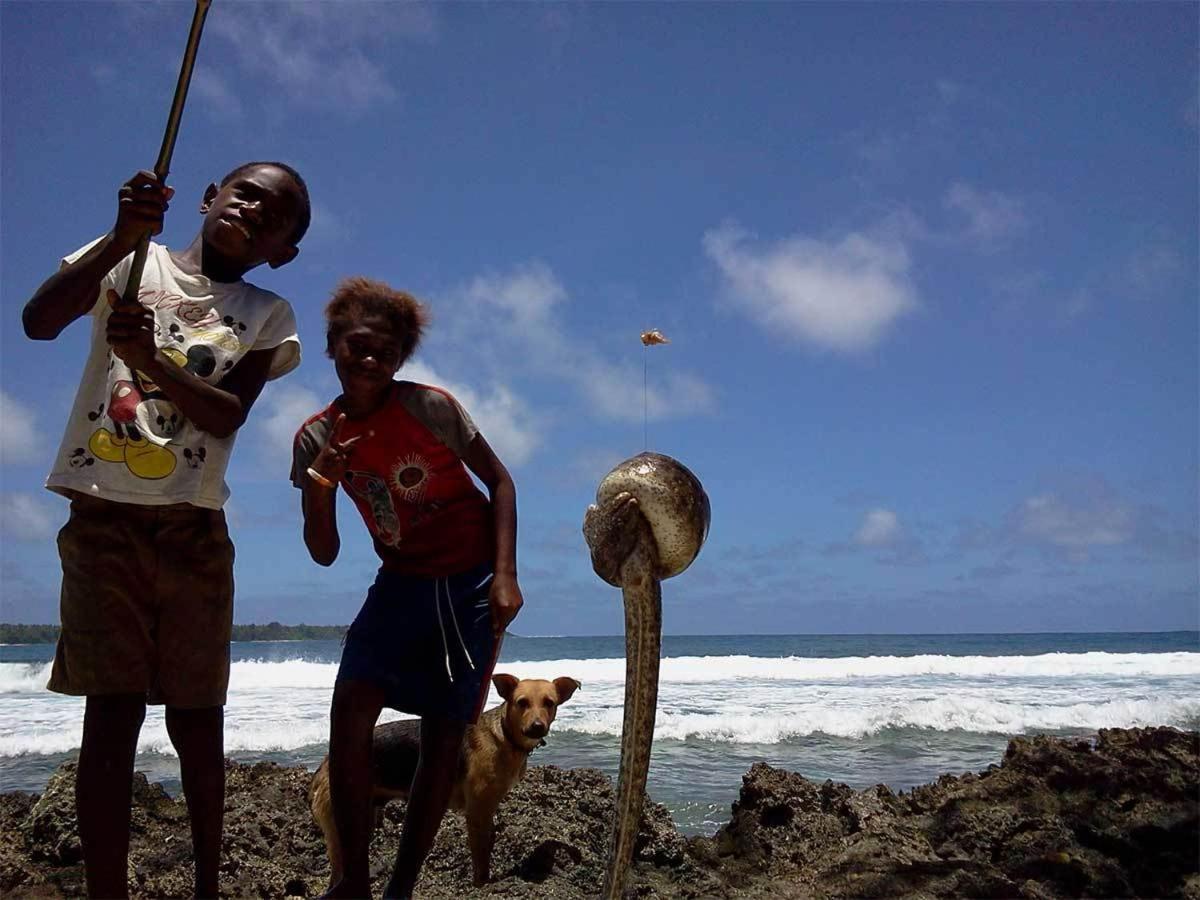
408,481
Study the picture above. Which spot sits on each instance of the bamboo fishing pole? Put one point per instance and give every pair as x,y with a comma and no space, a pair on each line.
163,166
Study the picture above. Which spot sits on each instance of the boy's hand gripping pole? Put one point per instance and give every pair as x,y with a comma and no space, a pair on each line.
163,166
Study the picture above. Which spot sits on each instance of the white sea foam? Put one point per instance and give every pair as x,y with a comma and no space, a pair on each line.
275,723
295,673
253,729
284,706
978,716
797,668
24,678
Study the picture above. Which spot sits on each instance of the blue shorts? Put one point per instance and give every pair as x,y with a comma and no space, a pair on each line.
427,642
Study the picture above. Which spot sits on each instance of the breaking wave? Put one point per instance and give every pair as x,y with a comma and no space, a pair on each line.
284,705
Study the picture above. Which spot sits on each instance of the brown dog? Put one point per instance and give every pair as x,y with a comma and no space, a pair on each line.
495,751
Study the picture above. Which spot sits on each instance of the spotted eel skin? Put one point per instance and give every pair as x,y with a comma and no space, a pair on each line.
649,521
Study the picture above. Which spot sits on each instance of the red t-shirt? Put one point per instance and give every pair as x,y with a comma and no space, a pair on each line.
407,478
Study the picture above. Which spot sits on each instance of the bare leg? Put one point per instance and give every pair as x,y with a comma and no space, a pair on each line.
103,789
441,743
199,738
481,835
356,708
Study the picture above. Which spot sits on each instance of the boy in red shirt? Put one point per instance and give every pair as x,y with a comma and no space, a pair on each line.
427,636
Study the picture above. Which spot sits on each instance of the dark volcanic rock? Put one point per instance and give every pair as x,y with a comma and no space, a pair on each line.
1117,818
1057,819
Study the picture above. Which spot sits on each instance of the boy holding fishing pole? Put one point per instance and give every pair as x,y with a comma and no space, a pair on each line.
147,587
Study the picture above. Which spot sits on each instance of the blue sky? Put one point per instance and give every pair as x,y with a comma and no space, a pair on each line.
929,273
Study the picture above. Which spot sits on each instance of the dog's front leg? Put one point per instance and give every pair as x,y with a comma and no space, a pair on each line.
481,834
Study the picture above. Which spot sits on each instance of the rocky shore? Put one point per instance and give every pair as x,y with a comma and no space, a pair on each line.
1114,817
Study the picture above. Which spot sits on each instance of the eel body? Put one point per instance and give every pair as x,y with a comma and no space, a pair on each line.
649,521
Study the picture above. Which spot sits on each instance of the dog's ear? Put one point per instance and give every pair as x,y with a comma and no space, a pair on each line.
505,685
565,688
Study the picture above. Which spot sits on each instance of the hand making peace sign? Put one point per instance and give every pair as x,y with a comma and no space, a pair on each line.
335,455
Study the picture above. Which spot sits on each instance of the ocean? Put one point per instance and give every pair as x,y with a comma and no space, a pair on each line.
861,709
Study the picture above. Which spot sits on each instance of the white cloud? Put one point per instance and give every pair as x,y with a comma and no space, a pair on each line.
214,91
326,227
528,293
28,518
20,439
880,528
279,415
512,318
1077,303
949,90
616,392
104,73
843,295
991,216
1153,268
1076,523
500,414
1080,514
591,465
330,55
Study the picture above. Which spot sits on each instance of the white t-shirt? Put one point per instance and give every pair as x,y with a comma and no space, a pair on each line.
125,440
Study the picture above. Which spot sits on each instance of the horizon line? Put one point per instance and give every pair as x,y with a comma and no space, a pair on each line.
512,634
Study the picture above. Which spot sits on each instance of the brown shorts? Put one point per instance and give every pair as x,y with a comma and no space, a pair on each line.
147,603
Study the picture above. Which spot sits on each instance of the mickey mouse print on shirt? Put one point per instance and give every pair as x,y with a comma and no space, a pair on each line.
141,419
141,446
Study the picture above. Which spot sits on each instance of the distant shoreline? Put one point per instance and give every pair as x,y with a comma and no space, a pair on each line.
273,631
11,634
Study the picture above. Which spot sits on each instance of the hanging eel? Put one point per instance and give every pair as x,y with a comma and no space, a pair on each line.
649,521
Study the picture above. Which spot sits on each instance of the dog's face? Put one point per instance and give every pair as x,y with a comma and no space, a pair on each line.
533,702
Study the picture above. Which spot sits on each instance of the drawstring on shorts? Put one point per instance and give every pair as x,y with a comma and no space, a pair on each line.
437,604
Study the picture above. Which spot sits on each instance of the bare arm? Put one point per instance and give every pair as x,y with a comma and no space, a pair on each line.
319,505
505,597
72,291
319,499
219,409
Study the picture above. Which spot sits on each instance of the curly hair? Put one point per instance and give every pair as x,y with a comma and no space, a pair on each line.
357,297
304,214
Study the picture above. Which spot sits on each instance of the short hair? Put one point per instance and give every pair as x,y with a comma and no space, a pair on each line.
357,297
305,216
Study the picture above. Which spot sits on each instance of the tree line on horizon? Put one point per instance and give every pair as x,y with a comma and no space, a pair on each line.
272,631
